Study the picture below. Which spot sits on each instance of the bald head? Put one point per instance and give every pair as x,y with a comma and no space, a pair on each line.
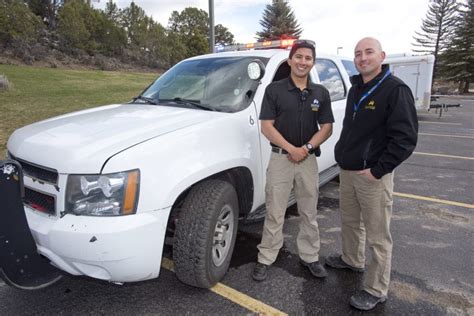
369,41
368,58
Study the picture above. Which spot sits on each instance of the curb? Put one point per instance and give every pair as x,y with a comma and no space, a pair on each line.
454,96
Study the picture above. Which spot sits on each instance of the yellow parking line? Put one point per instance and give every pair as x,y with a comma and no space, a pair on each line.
245,300
167,264
430,199
235,296
441,123
444,156
444,135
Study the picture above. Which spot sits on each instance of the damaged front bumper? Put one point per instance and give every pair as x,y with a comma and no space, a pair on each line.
115,249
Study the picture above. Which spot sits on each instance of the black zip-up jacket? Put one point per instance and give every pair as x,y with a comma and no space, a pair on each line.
384,130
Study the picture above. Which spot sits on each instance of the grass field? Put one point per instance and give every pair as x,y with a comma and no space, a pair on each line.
40,93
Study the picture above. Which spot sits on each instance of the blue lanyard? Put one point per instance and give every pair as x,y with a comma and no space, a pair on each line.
356,105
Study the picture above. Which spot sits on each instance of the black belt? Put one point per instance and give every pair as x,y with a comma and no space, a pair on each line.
279,150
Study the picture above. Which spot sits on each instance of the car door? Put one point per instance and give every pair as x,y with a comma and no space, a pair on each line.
331,76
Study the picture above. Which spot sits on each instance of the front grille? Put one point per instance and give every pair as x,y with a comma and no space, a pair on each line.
39,201
38,172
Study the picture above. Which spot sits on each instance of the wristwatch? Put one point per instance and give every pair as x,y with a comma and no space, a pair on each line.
309,147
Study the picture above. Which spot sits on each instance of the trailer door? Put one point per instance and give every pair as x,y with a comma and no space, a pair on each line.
410,74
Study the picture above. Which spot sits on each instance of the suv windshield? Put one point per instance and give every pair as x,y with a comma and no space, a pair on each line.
219,84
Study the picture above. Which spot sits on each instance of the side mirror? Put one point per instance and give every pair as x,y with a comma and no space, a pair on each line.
256,69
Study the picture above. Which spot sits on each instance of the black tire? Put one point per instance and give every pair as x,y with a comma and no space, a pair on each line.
195,252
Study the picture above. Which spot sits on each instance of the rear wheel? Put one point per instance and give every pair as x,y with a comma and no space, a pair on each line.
206,233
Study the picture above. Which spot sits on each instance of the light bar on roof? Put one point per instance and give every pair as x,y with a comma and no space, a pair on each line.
283,43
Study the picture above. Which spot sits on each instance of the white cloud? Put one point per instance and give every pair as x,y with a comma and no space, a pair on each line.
339,23
331,23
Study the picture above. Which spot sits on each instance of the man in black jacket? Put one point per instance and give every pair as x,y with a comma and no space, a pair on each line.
379,132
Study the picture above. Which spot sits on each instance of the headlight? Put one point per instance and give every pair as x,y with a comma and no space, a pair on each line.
103,194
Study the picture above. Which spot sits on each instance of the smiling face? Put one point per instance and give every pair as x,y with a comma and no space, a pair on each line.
301,63
368,58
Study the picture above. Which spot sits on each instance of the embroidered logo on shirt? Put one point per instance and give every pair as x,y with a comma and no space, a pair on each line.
315,105
370,105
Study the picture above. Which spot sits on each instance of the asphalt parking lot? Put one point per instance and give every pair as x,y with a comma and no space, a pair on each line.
432,267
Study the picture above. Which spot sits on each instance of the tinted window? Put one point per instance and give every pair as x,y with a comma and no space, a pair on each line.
331,78
350,67
283,71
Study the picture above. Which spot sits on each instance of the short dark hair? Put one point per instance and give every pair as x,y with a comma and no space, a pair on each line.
303,44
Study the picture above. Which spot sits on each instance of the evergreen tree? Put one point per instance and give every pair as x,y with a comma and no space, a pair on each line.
436,29
279,21
47,10
457,62
80,26
133,21
112,12
191,27
177,50
17,23
223,35
111,38
72,26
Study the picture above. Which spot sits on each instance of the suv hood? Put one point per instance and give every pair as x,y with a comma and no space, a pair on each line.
81,142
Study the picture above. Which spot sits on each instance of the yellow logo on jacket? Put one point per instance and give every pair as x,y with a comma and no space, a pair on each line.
370,105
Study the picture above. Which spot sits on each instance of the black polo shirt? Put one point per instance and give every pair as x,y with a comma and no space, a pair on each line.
296,117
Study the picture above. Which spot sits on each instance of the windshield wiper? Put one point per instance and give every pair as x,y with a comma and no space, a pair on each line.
146,99
193,103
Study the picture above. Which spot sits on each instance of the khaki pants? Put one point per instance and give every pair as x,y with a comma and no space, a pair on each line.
366,209
282,176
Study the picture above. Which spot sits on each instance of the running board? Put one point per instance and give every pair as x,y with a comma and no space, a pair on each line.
324,177
328,174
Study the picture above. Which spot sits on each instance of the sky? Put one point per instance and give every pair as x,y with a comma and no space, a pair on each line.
332,24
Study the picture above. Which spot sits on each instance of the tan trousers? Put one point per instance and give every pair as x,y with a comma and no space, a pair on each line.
282,176
366,209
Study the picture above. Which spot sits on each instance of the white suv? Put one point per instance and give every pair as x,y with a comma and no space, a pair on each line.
186,159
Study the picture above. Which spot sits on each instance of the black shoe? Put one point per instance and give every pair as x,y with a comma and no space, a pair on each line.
365,301
315,268
336,262
260,272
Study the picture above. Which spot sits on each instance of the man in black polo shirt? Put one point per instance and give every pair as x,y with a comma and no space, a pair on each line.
296,117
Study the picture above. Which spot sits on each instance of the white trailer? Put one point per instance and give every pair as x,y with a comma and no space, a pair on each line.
417,73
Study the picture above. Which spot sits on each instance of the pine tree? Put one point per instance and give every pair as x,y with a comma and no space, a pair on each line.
17,23
191,27
457,62
436,29
47,10
279,21
113,12
223,35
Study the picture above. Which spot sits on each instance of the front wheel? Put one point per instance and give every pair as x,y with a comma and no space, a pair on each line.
206,233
